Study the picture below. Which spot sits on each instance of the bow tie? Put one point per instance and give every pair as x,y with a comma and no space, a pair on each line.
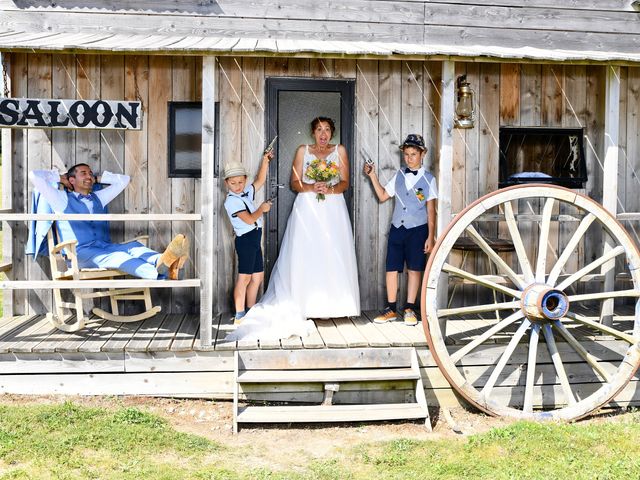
245,194
408,170
82,195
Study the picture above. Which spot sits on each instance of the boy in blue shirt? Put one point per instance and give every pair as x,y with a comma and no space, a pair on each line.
246,220
413,225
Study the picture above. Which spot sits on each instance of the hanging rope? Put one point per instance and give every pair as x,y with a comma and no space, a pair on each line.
5,77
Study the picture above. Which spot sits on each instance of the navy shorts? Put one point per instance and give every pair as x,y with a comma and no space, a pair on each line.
250,252
407,245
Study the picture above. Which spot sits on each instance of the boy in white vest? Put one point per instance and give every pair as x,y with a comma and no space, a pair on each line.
246,220
94,247
413,225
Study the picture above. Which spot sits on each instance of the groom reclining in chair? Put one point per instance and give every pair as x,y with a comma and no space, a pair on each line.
94,248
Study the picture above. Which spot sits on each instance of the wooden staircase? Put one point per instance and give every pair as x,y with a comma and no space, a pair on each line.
331,369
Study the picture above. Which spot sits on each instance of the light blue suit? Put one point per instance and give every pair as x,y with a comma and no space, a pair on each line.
94,247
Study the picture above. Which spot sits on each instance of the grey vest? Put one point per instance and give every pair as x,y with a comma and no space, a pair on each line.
409,210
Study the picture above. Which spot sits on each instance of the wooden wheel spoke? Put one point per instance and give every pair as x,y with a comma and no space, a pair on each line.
575,317
604,295
575,344
494,257
571,246
531,368
545,226
458,354
521,252
557,363
506,355
592,266
489,307
481,280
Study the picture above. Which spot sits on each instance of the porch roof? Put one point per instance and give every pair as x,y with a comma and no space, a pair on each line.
51,42
586,31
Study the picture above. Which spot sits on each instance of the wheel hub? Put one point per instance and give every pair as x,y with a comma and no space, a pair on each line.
541,303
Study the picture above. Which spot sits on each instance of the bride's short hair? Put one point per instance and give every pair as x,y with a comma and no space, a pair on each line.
317,120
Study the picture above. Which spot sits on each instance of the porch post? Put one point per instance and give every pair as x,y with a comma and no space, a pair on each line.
610,177
445,159
446,145
7,185
206,198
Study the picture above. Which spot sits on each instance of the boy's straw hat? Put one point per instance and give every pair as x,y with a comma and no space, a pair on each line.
234,169
413,140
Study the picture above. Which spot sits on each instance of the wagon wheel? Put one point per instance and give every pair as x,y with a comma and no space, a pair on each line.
488,342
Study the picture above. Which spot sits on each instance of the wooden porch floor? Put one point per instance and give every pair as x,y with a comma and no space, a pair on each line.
162,356
180,333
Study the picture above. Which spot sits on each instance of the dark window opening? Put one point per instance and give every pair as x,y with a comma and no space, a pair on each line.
185,139
542,155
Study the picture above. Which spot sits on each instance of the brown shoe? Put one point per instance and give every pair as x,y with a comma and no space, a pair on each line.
178,248
387,315
176,270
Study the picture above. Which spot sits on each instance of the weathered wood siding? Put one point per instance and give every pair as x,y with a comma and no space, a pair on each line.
394,98
141,154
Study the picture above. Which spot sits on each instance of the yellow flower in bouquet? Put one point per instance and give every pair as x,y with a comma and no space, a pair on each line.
322,171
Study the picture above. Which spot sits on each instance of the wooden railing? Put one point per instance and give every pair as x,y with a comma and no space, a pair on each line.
6,265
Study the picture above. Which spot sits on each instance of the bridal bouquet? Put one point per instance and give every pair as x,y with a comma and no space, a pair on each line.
322,171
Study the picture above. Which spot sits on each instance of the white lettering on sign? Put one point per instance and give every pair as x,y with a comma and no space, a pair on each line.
54,113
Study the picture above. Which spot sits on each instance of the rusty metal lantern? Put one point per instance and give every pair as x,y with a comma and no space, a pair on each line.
465,104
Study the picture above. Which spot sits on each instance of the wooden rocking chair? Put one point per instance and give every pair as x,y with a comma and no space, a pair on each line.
64,266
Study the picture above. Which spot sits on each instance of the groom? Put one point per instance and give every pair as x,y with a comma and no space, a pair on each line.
94,247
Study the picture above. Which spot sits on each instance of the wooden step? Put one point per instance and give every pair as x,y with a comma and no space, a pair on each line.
308,376
324,359
332,413
331,368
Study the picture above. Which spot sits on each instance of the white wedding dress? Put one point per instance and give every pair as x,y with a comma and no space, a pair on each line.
315,276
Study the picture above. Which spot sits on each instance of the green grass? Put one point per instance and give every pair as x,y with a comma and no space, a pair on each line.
523,451
68,441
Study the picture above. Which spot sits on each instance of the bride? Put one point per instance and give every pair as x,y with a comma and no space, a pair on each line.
315,275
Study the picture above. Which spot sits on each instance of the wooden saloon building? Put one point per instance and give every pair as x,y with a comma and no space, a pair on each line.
216,81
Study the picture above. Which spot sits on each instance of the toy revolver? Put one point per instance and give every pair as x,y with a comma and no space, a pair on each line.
367,158
368,162
270,146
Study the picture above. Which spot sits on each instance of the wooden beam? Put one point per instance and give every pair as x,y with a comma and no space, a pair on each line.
445,158
7,182
207,193
446,145
91,284
628,217
110,217
610,177
611,134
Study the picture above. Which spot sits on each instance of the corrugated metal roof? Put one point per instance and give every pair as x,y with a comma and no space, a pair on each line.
194,44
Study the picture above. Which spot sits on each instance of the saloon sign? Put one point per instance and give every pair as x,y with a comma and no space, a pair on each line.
54,113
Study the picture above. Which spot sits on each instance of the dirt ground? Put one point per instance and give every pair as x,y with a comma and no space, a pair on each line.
272,445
